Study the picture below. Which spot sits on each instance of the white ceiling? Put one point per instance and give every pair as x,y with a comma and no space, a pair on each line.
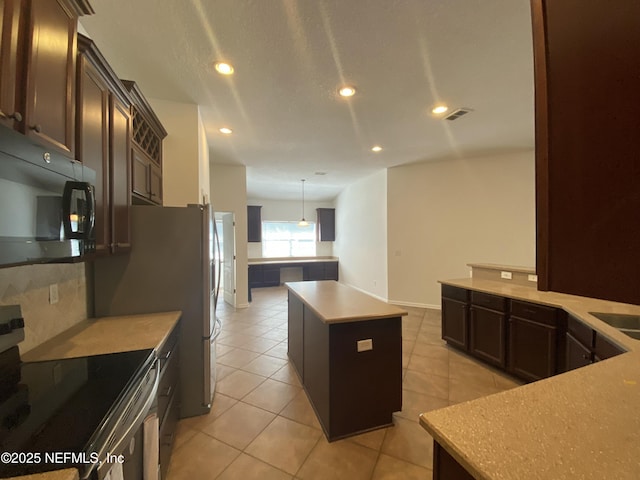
290,56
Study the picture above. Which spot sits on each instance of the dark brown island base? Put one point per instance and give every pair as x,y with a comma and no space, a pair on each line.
346,347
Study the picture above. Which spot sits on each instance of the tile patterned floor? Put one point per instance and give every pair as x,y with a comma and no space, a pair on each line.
261,425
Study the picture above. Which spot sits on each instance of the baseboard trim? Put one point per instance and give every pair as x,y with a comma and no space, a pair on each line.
382,299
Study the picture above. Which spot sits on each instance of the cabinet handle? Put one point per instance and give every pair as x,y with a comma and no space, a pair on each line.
168,440
167,391
36,128
17,116
586,357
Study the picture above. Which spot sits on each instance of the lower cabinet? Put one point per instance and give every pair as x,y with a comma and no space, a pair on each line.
487,328
585,346
533,340
168,402
268,275
445,467
528,340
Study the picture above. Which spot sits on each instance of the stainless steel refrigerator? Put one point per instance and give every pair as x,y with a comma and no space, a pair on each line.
170,267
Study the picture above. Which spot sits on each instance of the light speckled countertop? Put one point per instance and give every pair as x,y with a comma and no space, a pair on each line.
292,260
107,335
66,474
335,302
582,424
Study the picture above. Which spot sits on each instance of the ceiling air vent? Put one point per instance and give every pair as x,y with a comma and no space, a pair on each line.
457,113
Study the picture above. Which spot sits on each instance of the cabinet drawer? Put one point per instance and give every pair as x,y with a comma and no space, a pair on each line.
536,313
605,348
167,348
580,331
168,384
489,301
167,435
455,293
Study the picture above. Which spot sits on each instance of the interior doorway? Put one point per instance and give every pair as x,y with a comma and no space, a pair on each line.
226,225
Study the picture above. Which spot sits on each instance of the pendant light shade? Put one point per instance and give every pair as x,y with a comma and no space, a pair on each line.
303,222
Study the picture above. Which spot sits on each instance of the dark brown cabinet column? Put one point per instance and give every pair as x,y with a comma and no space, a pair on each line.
9,25
587,71
103,144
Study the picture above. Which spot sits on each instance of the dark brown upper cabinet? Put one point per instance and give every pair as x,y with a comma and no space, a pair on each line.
10,24
38,76
103,132
49,74
587,147
147,135
326,231
254,223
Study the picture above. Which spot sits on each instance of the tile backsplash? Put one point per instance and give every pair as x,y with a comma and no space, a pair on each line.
28,286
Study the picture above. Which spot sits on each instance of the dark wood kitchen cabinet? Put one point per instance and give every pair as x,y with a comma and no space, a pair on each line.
445,467
585,346
254,223
103,135
146,136
38,61
455,316
326,231
533,332
10,24
487,328
586,96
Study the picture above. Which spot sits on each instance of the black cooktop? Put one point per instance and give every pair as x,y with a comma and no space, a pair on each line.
56,406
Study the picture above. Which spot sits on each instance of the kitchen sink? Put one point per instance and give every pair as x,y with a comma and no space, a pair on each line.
627,324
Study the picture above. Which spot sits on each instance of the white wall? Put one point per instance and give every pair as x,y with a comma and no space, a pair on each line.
229,194
203,162
361,234
289,211
181,157
445,214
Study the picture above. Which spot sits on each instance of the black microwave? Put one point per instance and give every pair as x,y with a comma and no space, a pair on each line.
47,204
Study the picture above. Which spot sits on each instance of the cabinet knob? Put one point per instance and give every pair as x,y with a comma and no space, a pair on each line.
17,116
36,128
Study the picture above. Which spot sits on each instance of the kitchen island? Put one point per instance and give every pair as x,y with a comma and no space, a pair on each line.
346,347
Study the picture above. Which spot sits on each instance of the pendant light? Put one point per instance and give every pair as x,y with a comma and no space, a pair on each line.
303,222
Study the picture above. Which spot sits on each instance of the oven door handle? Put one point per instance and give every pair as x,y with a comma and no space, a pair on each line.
131,425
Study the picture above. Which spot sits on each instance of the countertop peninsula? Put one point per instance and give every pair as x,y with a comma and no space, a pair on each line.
580,424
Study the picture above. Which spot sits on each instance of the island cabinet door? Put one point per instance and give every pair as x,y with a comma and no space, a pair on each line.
296,333
366,386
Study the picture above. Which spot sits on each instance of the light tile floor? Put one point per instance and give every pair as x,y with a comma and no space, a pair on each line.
261,425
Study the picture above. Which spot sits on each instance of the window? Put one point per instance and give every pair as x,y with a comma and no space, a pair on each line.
287,239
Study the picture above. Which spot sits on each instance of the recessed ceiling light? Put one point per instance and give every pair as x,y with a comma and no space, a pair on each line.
347,91
439,109
226,131
376,148
224,68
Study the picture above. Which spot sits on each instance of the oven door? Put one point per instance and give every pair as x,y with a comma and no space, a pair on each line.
124,434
